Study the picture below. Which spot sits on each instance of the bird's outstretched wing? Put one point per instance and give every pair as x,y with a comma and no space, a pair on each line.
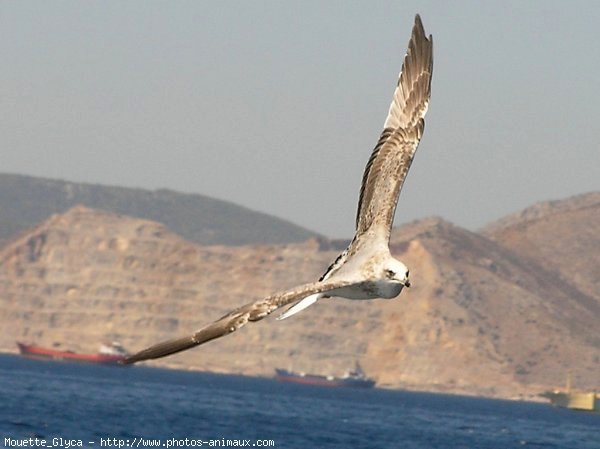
235,319
381,184
402,130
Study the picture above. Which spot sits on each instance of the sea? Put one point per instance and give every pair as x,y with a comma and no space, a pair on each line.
65,405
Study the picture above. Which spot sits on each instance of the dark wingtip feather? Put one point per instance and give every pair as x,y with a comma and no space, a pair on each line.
418,23
161,350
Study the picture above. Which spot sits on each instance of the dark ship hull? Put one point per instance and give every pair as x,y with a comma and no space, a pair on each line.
324,381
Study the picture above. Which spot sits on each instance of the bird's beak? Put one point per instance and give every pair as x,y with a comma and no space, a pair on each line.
407,283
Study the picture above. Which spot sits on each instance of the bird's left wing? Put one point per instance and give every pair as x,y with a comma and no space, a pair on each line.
234,320
390,160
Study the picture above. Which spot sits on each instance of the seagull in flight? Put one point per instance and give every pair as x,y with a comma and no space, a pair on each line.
366,269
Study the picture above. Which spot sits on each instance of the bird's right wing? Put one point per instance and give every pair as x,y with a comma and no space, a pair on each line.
235,319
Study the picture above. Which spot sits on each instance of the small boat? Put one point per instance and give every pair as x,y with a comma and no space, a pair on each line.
110,354
355,378
575,400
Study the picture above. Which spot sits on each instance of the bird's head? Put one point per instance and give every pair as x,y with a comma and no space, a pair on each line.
396,271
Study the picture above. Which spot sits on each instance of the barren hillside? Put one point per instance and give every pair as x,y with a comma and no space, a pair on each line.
26,200
562,236
479,318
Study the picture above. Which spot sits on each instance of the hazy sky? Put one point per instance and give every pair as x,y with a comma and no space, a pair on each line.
277,105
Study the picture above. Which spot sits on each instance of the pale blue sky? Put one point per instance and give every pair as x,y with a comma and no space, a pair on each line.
277,105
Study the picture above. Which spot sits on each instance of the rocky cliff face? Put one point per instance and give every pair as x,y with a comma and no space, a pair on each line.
480,318
479,312
562,236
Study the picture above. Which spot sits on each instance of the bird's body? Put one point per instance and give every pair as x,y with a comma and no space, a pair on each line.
366,269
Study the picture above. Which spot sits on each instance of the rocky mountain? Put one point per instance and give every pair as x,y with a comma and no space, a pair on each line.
25,201
480,318
562,236
484,313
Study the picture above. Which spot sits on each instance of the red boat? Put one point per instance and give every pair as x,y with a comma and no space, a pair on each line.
110,354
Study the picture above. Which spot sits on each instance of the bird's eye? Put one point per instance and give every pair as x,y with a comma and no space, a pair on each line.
407,272
389,273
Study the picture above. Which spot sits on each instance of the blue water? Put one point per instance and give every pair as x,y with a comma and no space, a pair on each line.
69,404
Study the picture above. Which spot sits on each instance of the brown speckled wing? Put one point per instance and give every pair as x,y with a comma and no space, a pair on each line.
390,160
234,320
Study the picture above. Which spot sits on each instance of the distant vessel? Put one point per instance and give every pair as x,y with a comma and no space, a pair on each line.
575,400
110,354
355,378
